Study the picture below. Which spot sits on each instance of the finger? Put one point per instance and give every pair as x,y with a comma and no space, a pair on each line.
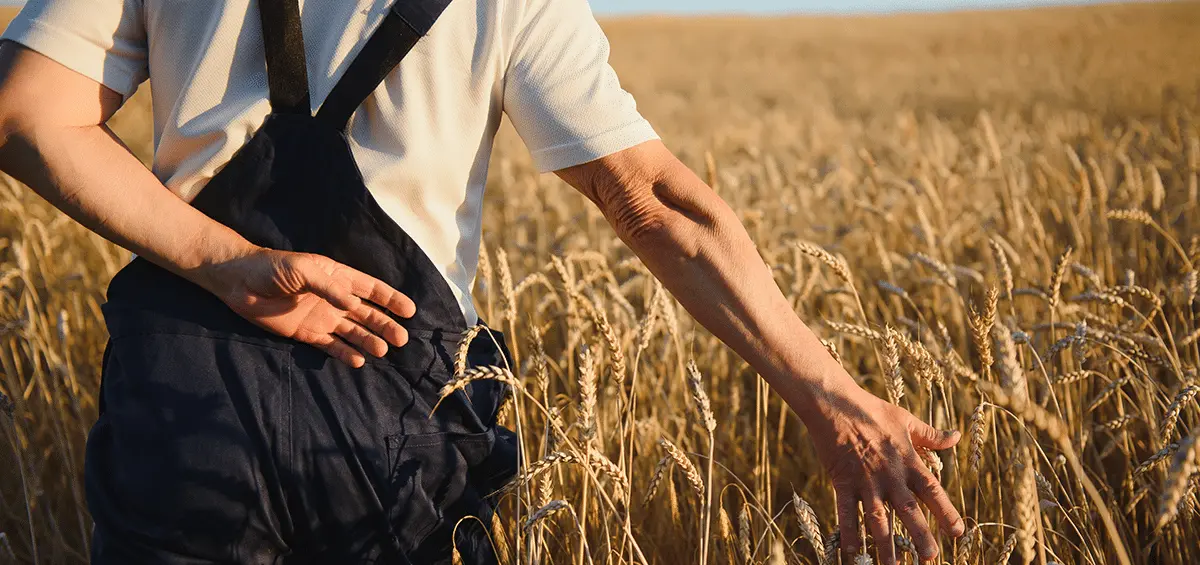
364,340
930,491
929,437
316,280
880,525
379,292
339,350
909,511
380,324
847,510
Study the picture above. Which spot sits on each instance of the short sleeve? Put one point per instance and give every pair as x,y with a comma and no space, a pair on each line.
104,40
560,92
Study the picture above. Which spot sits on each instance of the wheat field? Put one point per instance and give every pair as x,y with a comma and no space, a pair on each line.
993,219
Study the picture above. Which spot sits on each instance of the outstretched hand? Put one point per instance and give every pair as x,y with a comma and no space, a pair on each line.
315,300
870,450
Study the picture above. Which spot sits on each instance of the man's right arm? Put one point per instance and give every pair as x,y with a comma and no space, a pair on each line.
53,138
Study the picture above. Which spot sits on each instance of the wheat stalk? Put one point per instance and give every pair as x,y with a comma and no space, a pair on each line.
689,470
744,534
464,346
809,526
1056,279
1027,511
1010,545
837,264
486,372
981,327
656,478
979,432
943,272
1002,264
1012,374
1171,416
892,377
587,394
546,512
966,546
854,330
1185,464
1156,460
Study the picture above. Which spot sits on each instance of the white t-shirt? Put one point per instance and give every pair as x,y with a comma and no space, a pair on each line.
422,139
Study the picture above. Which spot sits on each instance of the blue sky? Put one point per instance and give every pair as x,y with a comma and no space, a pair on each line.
805,6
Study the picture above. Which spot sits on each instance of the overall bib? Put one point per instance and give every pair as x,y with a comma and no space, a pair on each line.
219,442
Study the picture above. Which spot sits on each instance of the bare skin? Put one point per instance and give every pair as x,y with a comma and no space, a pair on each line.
53,138
693,242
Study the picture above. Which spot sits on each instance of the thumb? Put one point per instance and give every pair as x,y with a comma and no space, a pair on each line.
929,437
317,280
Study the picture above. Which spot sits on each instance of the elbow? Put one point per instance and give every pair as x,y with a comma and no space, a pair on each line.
13,118
647,222
641,217
17,134
653,202
17,119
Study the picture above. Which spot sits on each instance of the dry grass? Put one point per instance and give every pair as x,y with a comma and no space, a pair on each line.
939,157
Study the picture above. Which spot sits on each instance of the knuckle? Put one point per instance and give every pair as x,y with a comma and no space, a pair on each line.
877,515
909,506
950,520
928,483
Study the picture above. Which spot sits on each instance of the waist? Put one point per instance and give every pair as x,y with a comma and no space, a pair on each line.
146,299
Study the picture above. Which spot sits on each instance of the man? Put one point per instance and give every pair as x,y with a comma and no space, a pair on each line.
278,343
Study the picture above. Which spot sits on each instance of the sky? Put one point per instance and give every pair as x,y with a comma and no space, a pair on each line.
806,6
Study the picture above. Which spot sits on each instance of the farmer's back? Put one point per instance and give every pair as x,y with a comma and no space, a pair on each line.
422,140
349,132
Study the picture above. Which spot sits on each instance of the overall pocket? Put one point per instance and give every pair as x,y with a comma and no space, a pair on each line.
431,486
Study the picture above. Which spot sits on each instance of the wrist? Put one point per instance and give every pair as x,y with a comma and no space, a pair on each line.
215,260
820,390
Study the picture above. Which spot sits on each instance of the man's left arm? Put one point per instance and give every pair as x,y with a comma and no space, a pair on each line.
567,104
696,246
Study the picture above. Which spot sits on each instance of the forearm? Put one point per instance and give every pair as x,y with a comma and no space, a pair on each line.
87,173
696,246
705,258
53,138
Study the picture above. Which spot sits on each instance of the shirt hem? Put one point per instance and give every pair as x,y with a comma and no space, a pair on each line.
576,153
72,52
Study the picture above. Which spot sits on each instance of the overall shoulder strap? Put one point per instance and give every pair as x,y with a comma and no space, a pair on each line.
405,24
287,73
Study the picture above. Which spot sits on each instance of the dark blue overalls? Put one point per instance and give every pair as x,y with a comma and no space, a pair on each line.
218,442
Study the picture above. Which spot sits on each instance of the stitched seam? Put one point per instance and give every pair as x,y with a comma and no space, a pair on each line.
440,438
407,23
291,445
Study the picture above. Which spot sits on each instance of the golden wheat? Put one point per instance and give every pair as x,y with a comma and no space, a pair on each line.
1019,191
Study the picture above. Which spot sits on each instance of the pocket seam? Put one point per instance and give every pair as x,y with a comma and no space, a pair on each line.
437,438
395,449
